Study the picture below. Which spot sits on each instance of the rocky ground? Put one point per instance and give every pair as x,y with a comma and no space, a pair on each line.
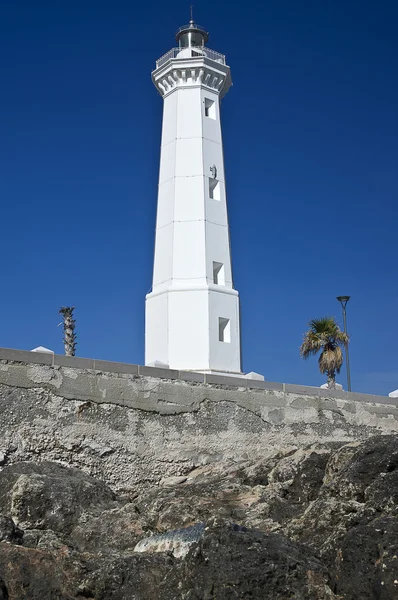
315,523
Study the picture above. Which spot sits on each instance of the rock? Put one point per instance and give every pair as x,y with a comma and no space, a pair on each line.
31,574
302,474
233,562
366,561
99,449
338,459
354,520
223,563
9,532
310,523
173,480
178,542
44,539
115,530
49,496
3,590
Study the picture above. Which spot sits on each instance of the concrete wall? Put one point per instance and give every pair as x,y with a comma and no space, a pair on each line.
130,424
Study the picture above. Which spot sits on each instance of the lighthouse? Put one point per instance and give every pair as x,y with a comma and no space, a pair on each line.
192,311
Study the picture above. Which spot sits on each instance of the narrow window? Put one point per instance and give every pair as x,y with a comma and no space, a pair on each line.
218,273
214,189
224,330
210,108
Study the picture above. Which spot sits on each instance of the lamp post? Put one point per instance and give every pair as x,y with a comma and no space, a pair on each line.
343,301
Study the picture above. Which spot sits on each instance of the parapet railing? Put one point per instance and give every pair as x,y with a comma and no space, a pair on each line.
189,26
95,366
197,52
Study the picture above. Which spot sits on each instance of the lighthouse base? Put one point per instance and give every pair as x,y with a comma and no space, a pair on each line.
194,329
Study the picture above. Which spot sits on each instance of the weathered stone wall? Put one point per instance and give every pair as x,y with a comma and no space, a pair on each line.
130,425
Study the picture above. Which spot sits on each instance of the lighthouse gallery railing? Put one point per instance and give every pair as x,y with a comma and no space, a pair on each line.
196,53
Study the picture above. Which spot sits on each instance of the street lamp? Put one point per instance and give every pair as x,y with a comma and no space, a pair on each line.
343,301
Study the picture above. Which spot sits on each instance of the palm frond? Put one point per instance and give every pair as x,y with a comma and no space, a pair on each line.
330,359
324,325
342,338
311,345
325,336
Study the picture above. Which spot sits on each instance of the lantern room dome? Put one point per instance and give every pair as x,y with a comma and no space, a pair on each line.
191,35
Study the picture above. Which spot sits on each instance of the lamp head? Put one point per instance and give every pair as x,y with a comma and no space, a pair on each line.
343,300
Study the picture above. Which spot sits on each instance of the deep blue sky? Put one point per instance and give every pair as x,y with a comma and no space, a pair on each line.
311,148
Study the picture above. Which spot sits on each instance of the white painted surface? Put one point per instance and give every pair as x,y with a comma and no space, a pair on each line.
42,349
188,329
185,305
156,329
255,376
324,386
191,188
163,267
393,394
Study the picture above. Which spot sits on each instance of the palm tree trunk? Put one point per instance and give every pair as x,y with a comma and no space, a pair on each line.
69,330
331,380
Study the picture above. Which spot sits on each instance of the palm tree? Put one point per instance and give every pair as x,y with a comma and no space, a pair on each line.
69,329
325,336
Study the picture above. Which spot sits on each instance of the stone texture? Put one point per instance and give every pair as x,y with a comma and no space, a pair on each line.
3,591
130,430
173,480
307,477
73,558
9,532
49,496
307,522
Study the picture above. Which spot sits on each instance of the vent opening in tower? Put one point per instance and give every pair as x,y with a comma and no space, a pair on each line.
218,273
214,189
210,108
224,330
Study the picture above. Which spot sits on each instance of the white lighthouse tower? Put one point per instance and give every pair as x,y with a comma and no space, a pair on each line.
192,312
